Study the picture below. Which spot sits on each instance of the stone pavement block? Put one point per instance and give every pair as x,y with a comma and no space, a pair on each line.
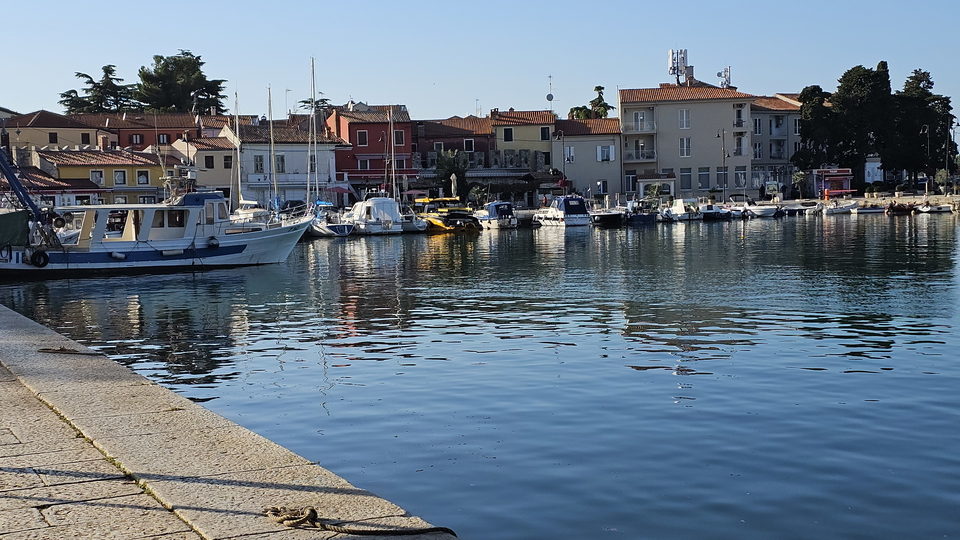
20,519
96,531
79,471
7,436
115,400
84,451
196,453
12,478
202,501
47,372
151,423
65,493
36,449
140,513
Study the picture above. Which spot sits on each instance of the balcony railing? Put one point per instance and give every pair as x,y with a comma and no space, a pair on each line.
639,127
643,155
739,123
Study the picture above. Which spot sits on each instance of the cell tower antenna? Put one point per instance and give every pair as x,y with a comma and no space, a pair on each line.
550,92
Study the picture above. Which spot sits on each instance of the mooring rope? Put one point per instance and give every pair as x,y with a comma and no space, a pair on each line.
309,517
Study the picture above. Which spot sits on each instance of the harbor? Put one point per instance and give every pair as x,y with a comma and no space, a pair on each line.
784,377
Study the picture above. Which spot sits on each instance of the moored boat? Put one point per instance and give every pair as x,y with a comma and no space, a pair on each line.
681,210
564,211
497,215
326,222
375,216
446,214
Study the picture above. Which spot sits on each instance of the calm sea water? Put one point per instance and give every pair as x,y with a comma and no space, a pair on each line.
791,378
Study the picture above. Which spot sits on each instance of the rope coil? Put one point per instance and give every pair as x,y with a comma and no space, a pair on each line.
309,517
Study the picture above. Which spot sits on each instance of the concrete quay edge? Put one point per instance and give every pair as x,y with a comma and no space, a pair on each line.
214,475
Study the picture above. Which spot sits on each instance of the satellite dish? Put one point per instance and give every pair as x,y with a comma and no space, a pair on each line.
549,97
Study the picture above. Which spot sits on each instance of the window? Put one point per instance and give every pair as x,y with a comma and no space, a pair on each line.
568,156
684,118
228,161
258,164
208,162
136,138
438,147
313,163
84,138
738,146
605,153
508,134
398,137
686,178
601,187
703,178
757,126
281,164
684,146
361,138
119,199
738,114
147,199
796,146
740,176
757,150
796,126
96,177
52,137
163,138
544,133
143,178
119,178
400,164
363,164
468,145
546,159
722,177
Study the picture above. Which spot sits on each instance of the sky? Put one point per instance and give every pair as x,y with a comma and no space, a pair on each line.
442,59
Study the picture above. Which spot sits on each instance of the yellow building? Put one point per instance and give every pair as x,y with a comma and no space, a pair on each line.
524,139
127,177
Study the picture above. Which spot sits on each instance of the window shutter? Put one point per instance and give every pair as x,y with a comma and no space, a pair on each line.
599,153
612,156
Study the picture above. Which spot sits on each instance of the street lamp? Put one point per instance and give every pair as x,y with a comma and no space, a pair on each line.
563,154
722,135
926,183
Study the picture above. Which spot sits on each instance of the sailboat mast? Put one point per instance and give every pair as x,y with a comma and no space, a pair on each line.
393,157
312,145
273,154
235,195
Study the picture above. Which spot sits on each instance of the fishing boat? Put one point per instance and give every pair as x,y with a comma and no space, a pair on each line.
497,215
564,211
375,216
640,212
189,230
326,222
446,214
681,210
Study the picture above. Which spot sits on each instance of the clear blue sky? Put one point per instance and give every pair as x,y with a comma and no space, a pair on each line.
451,58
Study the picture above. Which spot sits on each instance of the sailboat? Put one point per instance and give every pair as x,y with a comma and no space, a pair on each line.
325,221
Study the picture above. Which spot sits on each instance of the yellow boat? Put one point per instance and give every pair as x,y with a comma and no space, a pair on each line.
446,214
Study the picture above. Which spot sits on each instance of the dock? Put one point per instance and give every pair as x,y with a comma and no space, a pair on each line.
91,450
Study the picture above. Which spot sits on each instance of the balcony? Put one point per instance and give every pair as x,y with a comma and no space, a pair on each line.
639,127
739,123
642,155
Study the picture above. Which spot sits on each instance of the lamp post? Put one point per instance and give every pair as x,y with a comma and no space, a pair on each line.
926,183
563,166
722,135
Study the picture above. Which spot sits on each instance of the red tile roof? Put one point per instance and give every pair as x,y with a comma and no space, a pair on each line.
672,92
521,118
282,135
597,126
373,113
116,158
456,126
776,103
34,178
46,119
213,143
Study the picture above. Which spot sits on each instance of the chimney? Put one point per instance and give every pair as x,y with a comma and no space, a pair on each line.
688,76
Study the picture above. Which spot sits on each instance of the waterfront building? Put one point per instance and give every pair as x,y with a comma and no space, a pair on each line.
589,155
775,136
695,132
52,131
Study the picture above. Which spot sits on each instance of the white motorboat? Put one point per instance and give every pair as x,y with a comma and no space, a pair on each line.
326,222
929,208
681,210
710,211
410,222
751,209
838,207
497,215
564,211
375,216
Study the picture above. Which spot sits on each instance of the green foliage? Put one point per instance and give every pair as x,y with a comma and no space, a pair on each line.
314,104
449,163
177,84
598,108
103,96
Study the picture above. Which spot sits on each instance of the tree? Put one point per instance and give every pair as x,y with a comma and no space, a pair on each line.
317,105
598,108
178,84
816,129
862,106
913,119
450,162
103,96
